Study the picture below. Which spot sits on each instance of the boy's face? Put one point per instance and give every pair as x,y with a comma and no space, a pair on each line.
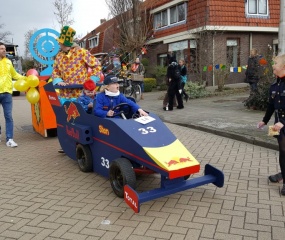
113,87
89,93
279,67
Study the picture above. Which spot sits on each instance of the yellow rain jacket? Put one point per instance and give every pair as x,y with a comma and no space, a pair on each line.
7,73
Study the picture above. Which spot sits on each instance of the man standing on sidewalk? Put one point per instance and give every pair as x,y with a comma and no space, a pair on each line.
7,73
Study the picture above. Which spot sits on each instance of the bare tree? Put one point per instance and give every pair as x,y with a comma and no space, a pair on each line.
133,23
4,35
28,36
63,11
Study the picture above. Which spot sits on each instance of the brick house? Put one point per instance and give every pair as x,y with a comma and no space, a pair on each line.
205,33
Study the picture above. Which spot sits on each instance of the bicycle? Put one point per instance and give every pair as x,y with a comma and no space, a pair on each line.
130,86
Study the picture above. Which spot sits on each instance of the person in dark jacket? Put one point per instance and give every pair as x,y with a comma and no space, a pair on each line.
86,99
183,72
111,97
174,88
276,105
253,71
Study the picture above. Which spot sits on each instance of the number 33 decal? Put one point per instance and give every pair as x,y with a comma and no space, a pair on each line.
147,130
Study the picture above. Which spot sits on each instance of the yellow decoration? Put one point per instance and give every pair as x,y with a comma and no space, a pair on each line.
33,95
21,85
33,81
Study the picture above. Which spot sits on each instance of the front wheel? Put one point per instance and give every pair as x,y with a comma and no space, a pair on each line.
137,92
84,158
121,173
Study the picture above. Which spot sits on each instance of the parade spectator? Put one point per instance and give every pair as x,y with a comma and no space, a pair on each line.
87,97
111,97
253,71
138,68
7,73
183,72
277,105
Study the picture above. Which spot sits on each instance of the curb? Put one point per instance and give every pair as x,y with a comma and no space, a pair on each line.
238,137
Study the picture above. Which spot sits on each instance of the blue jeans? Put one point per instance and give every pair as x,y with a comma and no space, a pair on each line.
7,103
142,86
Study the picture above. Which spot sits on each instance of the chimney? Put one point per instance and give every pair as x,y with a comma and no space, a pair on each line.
102,20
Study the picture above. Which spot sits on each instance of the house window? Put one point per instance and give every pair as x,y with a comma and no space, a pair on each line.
174,14
83,44
193,64
257,7
233,52
94,42
162,60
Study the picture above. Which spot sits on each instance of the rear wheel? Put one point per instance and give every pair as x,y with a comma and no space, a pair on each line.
84,158
137,92
121,173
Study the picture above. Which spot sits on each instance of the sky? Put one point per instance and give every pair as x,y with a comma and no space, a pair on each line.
20,16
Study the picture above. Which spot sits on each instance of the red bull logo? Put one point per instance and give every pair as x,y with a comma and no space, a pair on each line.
71,111
71,132
181,160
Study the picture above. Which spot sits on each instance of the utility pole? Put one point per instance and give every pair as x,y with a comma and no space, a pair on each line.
281,34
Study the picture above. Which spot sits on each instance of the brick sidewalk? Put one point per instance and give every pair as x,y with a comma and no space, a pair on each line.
43,194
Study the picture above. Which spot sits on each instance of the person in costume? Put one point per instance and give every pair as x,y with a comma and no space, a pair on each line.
87,97
71,66
111,97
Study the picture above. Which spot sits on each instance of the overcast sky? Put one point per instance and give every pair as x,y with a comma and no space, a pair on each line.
20,16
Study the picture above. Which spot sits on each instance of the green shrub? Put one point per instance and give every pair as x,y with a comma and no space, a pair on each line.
259,100
195,90
149,84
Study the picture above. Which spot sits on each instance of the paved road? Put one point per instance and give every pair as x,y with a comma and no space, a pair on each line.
43,195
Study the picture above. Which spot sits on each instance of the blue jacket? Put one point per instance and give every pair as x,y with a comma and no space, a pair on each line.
84,100
104,103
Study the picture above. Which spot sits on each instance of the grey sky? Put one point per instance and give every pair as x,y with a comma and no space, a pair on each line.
20,16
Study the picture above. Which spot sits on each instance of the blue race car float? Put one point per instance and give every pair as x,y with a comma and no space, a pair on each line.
120,148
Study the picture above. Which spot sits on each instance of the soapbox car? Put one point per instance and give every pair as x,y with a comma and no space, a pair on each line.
119,148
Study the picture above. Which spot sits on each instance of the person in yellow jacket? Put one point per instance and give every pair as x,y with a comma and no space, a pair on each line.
7,73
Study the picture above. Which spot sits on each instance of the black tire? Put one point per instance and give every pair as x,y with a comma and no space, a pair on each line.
121,173
84,158
137,92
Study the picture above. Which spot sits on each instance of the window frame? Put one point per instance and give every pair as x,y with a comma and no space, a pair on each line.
158,17
238,52
257,14
95,43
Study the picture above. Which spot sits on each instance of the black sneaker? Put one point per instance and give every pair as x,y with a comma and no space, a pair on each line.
276,178
282,192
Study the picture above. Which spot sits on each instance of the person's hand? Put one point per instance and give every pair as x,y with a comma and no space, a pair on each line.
260,125
169,79
142,112
62,84
90,105
277,126
110,113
